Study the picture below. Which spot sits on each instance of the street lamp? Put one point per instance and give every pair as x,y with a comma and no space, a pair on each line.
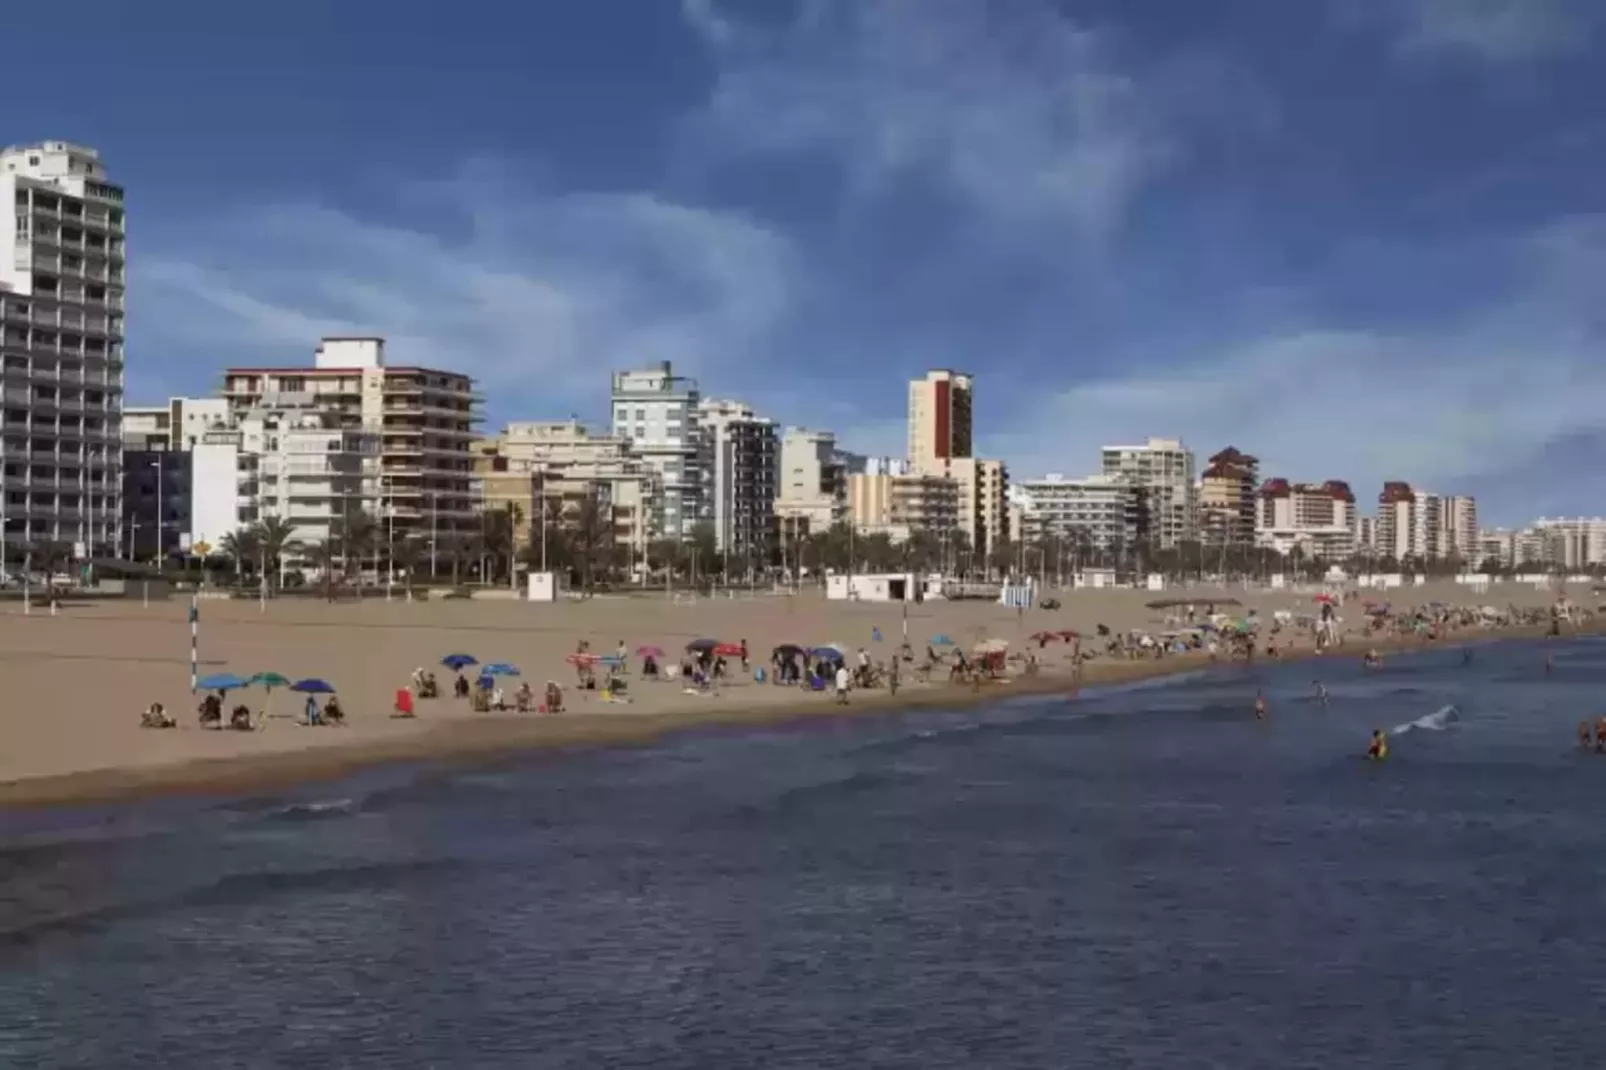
161,521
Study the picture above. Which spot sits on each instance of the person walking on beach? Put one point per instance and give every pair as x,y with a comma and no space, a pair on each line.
892,676
841,684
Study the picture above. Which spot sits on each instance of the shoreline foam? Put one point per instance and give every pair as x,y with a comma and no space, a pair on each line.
488,738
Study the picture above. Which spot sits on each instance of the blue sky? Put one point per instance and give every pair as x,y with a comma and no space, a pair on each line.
1363,239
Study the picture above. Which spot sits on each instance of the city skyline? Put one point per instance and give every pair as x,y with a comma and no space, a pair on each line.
772,195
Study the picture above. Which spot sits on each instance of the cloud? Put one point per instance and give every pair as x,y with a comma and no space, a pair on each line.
1497,31
1022,114
538,295
1454,408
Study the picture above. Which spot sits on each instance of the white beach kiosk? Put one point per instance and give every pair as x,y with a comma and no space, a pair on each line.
878,587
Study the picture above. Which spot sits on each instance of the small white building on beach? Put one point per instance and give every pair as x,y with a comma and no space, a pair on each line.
876,587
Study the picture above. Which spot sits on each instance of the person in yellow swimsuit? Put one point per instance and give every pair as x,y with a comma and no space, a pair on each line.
1379,747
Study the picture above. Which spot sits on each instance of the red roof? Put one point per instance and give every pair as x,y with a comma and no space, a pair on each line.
1394,491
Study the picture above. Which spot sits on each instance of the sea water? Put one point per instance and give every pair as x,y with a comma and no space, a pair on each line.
1134,877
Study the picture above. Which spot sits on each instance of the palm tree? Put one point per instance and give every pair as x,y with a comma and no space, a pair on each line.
242,548
590,534
275,538
353,537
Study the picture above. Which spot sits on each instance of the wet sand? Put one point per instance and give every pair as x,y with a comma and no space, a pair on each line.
78,681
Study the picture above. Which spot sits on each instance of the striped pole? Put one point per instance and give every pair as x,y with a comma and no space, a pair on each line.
195,633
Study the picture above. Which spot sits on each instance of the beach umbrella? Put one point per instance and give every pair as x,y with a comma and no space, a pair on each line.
582,659
611,660
942,640
457,662
826,653
223,681
313,686
499,668
270,680
649,651
1069,635
992,646
700,645
1045,637
788,650
728,650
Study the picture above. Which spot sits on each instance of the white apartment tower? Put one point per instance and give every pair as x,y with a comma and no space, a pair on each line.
743,475
61,334
1162,468
657,411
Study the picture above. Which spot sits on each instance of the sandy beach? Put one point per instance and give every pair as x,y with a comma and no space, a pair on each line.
78,680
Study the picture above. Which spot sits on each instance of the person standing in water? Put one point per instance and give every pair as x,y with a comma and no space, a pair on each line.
1378,749
1260,705
1321,693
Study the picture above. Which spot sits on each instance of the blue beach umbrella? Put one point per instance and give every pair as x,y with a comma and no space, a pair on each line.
313,686
499,668
942,640
827,653
456,662
223,681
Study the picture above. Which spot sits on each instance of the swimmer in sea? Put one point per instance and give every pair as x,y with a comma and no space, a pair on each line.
1321,693
1585,734
1378,749
1260,706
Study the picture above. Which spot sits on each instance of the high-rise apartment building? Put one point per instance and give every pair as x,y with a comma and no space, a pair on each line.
424,418
1317,519
1409,523
1227,499
62,265
1458,528
1099,512
940,419
558,467
743,474
1569,543
657,411
1163,470
898,506
812,491
292,460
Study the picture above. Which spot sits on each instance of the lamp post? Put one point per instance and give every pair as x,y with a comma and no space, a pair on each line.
161,521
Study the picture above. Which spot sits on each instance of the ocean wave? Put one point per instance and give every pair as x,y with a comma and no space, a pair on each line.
1437,721
228,892
311,811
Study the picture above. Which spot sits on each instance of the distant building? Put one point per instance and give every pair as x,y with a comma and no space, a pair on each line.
1163,470
177,425
422,418
1228,512
1101,511
941,418
657,411
898,506
1317,519
812,490
1575,543
558,466
62,302
296,461
743,476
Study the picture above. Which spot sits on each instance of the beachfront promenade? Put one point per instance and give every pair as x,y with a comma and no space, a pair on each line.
77,682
